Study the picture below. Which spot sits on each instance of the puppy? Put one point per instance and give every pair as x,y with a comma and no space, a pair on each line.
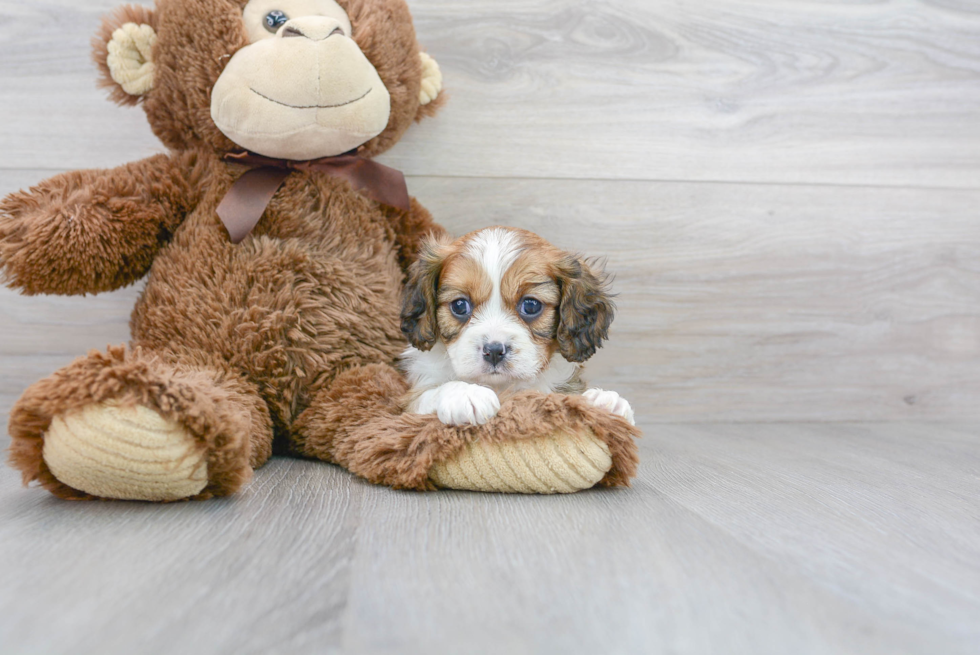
497,311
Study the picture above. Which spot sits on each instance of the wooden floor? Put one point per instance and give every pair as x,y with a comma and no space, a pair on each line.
748,538
789,196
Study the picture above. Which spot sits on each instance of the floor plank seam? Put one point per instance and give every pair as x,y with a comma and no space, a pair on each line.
633,180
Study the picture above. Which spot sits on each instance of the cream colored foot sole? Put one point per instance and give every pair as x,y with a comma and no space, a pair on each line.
561,463
129,453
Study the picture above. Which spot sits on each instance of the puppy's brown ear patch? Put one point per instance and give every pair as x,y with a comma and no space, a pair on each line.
586,309
419,323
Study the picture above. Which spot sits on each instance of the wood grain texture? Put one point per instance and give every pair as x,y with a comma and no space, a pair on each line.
880,93
265,571
737,90
750,539
777,538
736,302
759,302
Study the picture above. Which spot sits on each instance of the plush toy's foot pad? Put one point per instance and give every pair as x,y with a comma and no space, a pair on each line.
125,453
558,463
537,443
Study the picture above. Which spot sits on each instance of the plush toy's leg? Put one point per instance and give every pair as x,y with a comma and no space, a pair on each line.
536,444
127,425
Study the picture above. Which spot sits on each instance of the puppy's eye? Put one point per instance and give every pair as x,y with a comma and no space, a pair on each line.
274,20
530,307
460,307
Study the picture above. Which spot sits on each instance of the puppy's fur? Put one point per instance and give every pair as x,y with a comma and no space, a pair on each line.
497,311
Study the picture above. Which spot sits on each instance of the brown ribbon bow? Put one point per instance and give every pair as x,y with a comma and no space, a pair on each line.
244,204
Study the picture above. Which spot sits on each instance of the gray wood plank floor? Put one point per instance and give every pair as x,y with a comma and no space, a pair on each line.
787,193
745,538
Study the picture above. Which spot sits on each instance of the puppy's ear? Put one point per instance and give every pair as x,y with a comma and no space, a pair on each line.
420,302
585,309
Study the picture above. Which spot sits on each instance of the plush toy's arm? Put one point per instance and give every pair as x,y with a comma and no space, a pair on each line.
94,230
409,229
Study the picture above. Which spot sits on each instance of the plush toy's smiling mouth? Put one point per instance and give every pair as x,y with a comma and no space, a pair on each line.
342,104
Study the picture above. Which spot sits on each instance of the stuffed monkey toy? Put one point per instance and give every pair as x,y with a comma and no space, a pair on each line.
275,251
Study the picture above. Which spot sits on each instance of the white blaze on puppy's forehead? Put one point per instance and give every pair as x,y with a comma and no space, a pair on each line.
495,249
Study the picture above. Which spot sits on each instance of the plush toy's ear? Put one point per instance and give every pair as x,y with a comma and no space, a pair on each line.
585,309
123,50
431,80
419,322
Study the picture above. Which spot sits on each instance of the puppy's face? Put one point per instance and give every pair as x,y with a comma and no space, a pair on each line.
503,301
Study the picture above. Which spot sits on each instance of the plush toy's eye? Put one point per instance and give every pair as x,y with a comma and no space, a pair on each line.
274,20
460,308
530,307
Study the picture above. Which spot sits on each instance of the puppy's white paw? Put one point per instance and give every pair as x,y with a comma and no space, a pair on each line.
611,402
427,403
460,403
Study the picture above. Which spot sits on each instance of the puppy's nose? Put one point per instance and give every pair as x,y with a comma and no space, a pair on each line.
494,352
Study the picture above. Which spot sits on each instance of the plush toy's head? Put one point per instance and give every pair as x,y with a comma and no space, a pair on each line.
292,79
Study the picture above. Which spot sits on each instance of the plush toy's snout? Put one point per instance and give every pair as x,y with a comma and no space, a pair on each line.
305,93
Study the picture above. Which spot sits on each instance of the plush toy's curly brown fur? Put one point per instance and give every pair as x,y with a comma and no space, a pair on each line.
288,336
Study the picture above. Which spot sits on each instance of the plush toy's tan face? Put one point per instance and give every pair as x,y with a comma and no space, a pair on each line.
302,88
296,79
